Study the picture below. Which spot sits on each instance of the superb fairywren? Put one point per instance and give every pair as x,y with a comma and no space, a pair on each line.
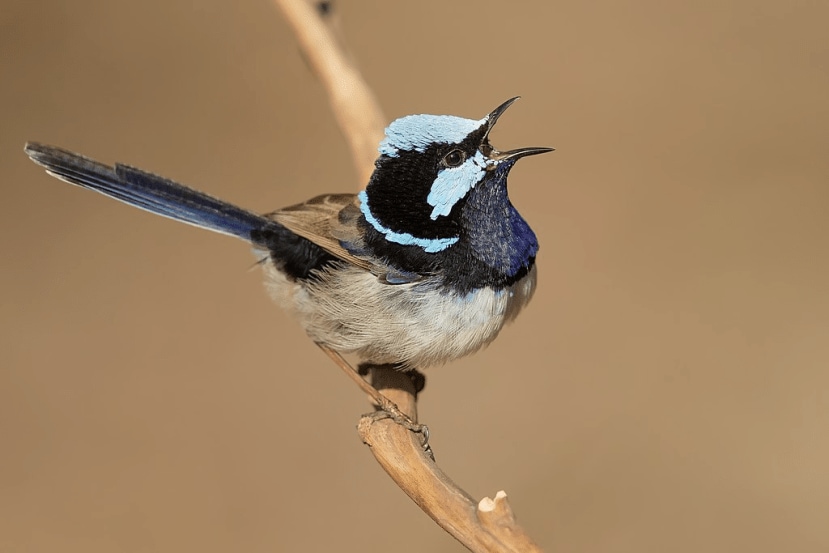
425,265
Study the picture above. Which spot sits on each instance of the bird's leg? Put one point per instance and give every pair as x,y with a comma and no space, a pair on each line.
418,378
387,408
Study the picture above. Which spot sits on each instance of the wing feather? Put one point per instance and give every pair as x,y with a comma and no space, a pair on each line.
319,220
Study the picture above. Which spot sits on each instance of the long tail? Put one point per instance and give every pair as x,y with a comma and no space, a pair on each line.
147,191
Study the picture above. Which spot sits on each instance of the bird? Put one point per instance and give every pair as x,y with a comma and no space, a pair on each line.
425,265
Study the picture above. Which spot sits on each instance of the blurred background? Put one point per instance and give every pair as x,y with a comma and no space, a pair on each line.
667,390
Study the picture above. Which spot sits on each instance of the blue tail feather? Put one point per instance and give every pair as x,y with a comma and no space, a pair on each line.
150,192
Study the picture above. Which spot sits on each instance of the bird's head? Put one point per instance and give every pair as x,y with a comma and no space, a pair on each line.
430,168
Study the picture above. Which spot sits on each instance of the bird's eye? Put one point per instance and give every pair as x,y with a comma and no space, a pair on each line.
455,158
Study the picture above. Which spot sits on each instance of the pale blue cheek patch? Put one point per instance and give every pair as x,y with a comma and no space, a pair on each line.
453,183
429,245
418,132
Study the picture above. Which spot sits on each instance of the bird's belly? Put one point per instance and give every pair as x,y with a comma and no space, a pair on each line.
418,324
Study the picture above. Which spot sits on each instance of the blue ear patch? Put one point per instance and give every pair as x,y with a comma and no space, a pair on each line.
453,183
418,132
429,245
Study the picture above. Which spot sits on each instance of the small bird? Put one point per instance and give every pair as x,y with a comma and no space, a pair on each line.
424,266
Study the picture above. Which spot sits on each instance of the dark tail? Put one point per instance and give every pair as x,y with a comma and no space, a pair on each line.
147,191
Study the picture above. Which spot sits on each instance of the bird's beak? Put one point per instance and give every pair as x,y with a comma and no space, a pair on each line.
517,153
492,118
494,154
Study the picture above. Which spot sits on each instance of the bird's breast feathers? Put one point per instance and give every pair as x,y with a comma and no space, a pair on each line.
419,324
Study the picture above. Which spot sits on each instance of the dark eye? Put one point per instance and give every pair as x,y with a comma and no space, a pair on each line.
454,158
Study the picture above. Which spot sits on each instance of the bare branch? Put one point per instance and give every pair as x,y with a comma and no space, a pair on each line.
488,525
485,526
357,111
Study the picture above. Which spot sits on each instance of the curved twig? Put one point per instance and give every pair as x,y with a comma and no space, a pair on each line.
487,525
357,111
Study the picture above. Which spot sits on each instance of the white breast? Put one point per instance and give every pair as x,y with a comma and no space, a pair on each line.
417,324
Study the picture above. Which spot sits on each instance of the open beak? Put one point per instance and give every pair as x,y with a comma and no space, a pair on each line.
492,118
517,153
494,154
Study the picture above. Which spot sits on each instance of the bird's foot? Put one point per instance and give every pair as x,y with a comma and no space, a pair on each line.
399,417
386,408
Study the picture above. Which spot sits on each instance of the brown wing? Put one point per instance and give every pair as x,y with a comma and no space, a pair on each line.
320,221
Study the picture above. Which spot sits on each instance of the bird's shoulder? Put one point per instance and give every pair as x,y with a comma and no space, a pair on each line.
332,222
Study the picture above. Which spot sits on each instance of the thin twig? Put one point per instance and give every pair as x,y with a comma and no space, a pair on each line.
357,111
484,526
386,405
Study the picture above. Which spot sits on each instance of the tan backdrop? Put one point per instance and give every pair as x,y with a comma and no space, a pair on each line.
667,390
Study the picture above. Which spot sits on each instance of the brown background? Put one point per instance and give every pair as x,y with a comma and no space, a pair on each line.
667,390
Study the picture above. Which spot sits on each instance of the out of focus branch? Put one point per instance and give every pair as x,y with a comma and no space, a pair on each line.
357,111
486,525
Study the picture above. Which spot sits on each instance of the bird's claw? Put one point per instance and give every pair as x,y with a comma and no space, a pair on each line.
399,417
